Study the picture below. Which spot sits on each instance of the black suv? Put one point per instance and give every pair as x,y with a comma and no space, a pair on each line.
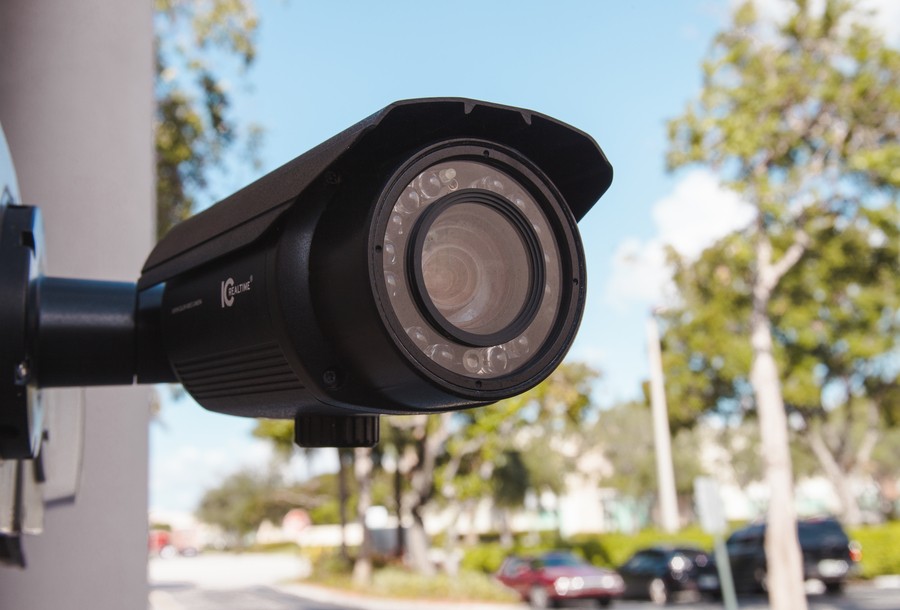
663,572
828,554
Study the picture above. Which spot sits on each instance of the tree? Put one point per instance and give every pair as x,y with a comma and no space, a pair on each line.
804,124
491,450
244,500
834,332
281,433
622,432
194,128
419,442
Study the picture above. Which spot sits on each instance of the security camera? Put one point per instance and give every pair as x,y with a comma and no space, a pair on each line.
423,260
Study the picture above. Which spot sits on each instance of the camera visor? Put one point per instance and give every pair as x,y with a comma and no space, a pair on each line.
471,268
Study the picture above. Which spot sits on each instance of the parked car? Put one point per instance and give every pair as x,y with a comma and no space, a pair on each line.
663,572
828,554
551,578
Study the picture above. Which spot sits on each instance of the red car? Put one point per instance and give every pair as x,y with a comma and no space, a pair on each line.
546,580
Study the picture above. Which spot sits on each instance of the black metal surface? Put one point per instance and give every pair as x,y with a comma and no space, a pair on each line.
572,160
21,414
268,303
337,430
151,362
85,333
11,552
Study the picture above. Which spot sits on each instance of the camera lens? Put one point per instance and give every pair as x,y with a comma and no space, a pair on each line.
471,266
476,268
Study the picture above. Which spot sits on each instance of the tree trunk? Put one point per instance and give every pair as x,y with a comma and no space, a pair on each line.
343,496
398,502
784,560
421,488
418,546
506,535
363,467
840,479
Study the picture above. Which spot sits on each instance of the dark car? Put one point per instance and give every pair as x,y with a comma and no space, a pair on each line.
663,572
551,578
828,554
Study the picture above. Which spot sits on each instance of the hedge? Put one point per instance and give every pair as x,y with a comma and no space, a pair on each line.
880,548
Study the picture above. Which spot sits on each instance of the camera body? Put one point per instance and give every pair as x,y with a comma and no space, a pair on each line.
425,259
289,314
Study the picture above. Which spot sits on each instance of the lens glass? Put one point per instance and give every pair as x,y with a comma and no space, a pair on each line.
476,268
472,269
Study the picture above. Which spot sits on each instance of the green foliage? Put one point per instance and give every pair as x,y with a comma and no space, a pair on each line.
485,557
624,433
510,479
194,128
607,550
463,587
880,549
497,449
804,123
329,566
391,581
614,549
279,431
277,548
242,502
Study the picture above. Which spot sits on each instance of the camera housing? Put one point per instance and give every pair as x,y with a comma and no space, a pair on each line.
425,259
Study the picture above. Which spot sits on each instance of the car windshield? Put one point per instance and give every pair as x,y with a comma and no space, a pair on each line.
817,532
563,560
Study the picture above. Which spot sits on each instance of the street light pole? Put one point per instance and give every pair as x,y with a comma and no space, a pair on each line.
665,472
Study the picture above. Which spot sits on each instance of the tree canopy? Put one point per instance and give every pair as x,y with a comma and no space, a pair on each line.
802,119
194,126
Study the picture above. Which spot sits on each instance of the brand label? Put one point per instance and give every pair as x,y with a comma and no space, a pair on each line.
229,290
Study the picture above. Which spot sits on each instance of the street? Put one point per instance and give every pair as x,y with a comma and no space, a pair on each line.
264,582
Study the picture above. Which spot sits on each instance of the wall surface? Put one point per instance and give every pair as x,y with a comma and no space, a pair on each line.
76,106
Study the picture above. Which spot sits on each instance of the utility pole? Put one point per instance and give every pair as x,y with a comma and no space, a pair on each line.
662,438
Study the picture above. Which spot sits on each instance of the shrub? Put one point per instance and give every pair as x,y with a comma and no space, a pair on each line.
465,586
880,549
485,557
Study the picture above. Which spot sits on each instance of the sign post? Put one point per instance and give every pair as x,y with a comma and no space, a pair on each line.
712,520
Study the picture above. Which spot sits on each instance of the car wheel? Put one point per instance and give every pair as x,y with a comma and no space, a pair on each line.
834,588
604,602
762,579
658,591
539,598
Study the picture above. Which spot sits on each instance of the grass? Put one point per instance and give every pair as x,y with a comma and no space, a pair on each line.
396,582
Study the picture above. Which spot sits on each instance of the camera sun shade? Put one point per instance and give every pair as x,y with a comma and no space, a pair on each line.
425,259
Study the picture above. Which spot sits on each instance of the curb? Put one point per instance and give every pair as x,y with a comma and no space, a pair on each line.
887,582
360,602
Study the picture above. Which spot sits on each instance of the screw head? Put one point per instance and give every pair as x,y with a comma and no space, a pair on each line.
331,379
22,372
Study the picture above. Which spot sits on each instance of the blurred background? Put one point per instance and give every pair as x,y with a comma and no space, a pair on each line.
746,252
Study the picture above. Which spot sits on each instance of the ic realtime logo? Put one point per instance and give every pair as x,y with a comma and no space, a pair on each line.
229,289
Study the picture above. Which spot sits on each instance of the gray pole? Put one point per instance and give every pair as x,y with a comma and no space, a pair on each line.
665,472
76,103
726,580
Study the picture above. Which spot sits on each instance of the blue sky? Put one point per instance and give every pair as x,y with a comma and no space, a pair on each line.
617,70
613,69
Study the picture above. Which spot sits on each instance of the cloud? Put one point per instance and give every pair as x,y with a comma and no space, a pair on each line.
881,15
180,478
690,219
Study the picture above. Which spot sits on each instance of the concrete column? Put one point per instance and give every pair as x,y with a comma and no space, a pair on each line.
76,103
662,437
